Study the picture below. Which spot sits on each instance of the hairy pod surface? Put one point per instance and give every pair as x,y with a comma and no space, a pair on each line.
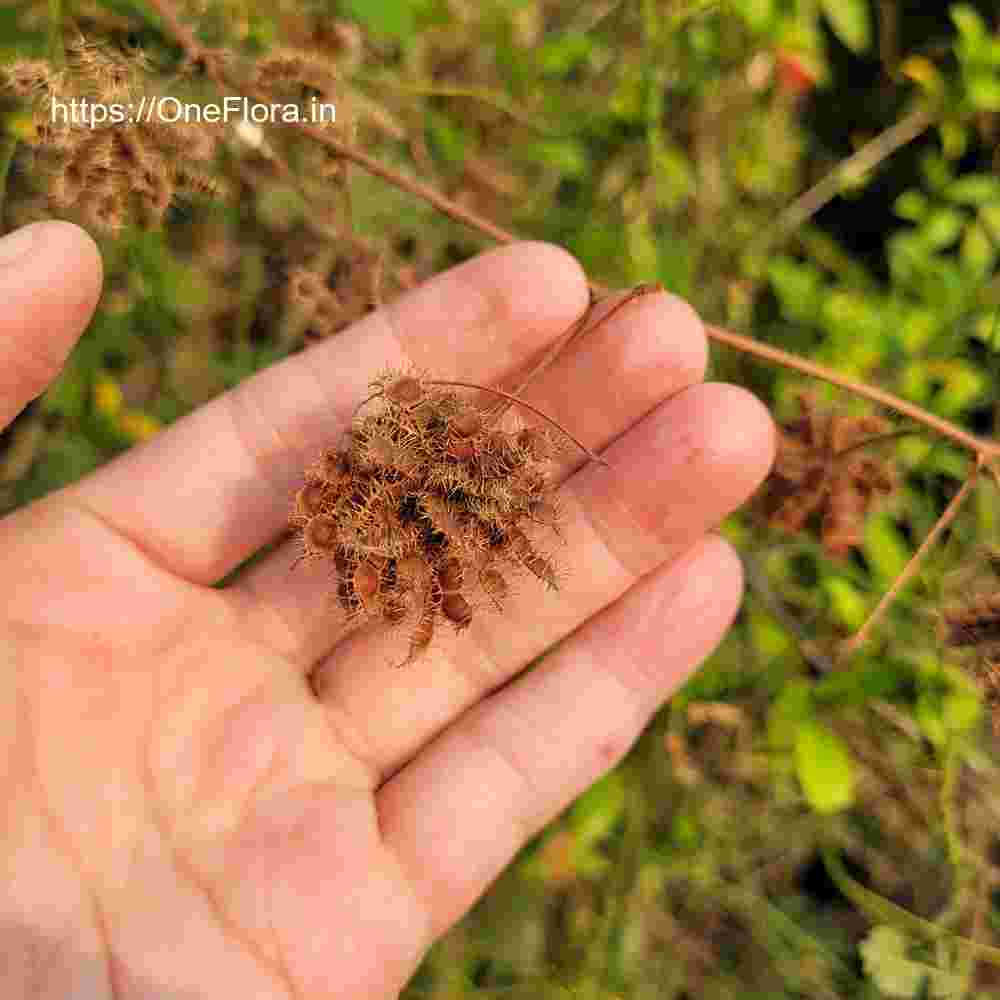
426,505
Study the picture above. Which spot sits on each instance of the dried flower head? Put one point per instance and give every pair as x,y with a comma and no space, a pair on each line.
974,624
109,173
332,301
427,508
822,469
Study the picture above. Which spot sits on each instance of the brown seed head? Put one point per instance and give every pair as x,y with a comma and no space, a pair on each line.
321,534
408,525
405,390
457,610
535,442
451,575
467,424
309,499
366,581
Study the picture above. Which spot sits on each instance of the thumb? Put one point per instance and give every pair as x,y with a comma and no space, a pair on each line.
50,281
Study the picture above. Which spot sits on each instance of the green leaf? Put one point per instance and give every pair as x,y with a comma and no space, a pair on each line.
851,22
824,767
989,215
770,640
970,25
977,250
790,709
961,710
558,56
447,138
884,954
596,813
974,189
928,713
911,205
942,227
847,605
758,14
565,156
984,91
800,289
885,548
674,177
393,18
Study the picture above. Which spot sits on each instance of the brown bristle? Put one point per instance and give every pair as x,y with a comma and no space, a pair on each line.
544,511
493,583
412,572
531,559
535,443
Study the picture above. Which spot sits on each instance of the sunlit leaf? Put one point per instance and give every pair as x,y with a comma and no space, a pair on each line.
851,22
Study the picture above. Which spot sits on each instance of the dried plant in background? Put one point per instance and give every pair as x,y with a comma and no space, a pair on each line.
822,469
356,289
427,510
973,625
113,174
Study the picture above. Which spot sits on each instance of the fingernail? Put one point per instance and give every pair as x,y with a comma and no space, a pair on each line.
17,245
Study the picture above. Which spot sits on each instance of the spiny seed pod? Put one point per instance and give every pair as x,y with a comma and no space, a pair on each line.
466,424
457,610
333,467
536,442
405,390
425,501
422,634
451,575
366,581
545,512
310,499
321,534
822,473
306,286
525,552
494,586
975,624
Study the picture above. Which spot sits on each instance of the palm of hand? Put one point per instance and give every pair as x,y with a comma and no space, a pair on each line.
186,815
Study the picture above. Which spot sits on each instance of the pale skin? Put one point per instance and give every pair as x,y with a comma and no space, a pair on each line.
211,792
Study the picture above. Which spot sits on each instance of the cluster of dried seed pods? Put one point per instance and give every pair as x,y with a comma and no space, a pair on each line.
425,510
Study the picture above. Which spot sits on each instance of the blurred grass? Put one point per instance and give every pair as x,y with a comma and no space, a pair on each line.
657,141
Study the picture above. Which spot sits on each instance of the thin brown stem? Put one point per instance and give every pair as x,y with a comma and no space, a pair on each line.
534,409
577,329
868,156
910,569
876,440
979,446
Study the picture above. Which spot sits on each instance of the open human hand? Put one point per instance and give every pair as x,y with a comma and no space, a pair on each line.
229,791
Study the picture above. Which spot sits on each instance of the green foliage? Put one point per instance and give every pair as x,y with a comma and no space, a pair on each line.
851,22
885,954
824,768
